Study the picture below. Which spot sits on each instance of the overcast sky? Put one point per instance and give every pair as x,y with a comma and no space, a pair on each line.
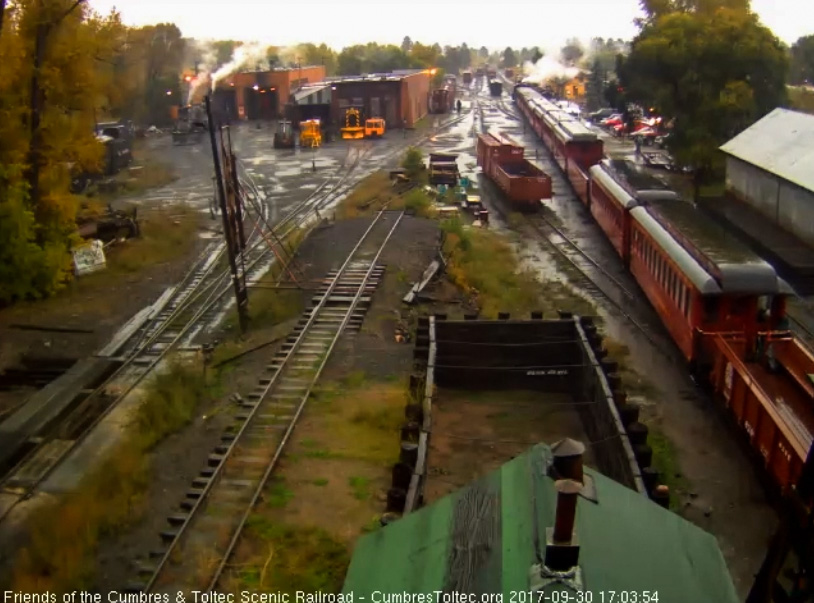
516,23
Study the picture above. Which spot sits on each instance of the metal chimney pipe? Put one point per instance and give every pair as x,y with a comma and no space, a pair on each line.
567,492
568,459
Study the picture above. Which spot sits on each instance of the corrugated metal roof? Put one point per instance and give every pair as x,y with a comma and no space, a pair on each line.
782,143
481,539
395,76
308,91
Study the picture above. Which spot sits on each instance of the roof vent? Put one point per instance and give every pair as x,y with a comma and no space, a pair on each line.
562,550
568,459
560,564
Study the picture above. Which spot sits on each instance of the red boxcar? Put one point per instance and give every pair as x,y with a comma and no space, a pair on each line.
502,161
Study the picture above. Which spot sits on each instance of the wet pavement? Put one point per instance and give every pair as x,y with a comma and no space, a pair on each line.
284,177
723,494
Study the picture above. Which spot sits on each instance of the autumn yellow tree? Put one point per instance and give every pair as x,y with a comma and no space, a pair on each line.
50,85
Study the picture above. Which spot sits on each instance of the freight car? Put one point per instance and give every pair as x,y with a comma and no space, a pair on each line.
491,73
524,184
508,72
442,99
467,77
443,169
723,306
495,88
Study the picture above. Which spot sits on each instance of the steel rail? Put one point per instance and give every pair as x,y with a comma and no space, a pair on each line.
585,255
289,355
191,298
261,485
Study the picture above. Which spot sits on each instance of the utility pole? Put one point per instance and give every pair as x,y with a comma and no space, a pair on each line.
232,245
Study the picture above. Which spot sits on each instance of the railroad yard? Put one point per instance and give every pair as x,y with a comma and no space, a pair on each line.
173,440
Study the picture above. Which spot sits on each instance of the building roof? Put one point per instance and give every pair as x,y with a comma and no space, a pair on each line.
394,76
782,143
320,92
484,539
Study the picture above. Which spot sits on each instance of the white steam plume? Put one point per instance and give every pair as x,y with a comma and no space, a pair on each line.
545,69
247,55
208,60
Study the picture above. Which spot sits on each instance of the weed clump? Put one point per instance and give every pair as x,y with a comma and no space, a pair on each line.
413,162
484,266
419,203
59,555
297,558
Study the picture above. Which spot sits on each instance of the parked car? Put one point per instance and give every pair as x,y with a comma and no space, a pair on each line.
611,121
646,135
601,114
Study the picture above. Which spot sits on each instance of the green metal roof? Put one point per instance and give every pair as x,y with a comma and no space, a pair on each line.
481,539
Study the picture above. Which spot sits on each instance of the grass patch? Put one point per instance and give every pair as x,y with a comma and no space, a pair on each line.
269,307
369,196
277,494
373,525
632,381
801,99
378,190
483,265
143,174
416,201
665,461
360,487
321,481
354,379
165,234
60,555
320,453
360,422
295,558
515,220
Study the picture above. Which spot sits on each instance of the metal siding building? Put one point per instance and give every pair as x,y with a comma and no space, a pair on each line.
399,97
769,166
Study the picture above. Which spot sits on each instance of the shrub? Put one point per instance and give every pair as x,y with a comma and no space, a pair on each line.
413,162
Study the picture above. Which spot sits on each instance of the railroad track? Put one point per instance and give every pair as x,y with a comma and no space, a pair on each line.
613,291
196,303
588,274
217,507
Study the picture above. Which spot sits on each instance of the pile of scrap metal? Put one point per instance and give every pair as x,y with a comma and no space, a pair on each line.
443,169
117,138
402,334
109,226
190,126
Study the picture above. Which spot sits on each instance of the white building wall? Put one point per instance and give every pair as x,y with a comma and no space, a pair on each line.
786,204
